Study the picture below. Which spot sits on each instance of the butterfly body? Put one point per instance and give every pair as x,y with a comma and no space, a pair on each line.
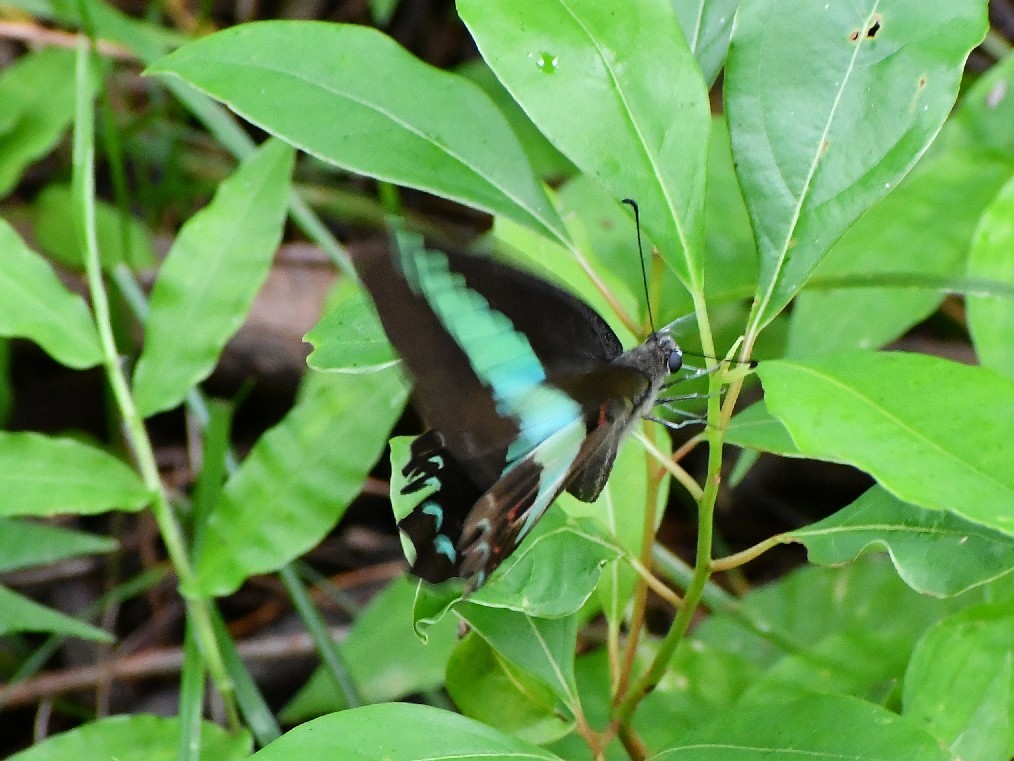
527,392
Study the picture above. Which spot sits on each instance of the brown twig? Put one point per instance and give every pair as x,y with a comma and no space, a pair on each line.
34,34
165,662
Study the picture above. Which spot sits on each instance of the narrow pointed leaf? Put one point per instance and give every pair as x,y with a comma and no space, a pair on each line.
210,278
991,318
19,614
352,96
932,432
814,151
26,543
299,478
633,116
399,732
41,475
935,552
37,306
137,737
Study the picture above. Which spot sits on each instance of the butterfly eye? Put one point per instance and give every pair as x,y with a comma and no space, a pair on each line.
675,360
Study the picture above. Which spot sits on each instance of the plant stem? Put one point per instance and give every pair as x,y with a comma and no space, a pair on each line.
745,556
702,566
136,434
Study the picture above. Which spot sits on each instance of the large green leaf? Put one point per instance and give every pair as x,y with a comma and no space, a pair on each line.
806,613
137,737
352,96
815,146
960,682
918,235
42,475
210,278
800,725
932,432
26,543
19,614
36,305
632,115
399,732
299,478
36,107
935,552
991,318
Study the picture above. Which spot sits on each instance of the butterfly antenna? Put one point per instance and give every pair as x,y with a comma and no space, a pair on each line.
640,251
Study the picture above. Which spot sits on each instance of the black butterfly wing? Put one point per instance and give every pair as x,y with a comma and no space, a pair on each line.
509,426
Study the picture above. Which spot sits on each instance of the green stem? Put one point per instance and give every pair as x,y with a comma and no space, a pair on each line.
705,531
137,435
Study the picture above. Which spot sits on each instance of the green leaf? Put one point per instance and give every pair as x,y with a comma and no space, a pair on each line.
991,318
36,305
399,732
815,152
41,475
959,683
756,428
138,737
299,478
122,238
730,270
986,117
36,107
634,117
352,96
935,552
927,429
620,511
547,162
19,614
26,543
907,239
801,725
554,571
209,280
806,614
702,682
541,647
488,688
386,658
350,338
707,25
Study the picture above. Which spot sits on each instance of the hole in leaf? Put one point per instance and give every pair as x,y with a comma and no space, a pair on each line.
874,28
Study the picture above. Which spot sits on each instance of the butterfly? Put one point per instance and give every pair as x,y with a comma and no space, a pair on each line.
526,389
